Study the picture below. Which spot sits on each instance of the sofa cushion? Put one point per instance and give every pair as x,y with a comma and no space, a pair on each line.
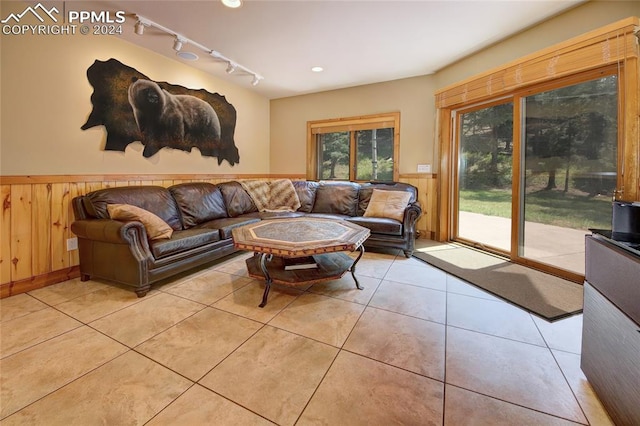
198,202
156,199
236,199
182,241
337,198
306,191
378,225
366,189
225,225
156,228
387,204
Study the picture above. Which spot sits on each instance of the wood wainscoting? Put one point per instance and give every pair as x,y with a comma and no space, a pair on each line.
36,218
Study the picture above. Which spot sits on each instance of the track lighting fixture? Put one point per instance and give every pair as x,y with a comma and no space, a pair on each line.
139,28
179,41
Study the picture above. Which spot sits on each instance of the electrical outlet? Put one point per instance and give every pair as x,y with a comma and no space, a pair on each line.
424,168
72,243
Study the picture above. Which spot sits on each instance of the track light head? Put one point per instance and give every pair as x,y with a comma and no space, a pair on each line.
231,67
139,28
256,80
178,43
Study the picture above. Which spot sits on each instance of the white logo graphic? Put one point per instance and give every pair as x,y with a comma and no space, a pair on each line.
34,12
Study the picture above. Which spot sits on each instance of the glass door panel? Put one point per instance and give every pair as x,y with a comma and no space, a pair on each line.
484,176
569,147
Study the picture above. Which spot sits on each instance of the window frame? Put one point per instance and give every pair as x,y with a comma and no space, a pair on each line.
351,124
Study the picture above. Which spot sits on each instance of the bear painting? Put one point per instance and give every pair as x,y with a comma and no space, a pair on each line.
160,115
175,121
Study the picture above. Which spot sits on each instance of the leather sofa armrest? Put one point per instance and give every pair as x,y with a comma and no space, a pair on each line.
112,231
411,215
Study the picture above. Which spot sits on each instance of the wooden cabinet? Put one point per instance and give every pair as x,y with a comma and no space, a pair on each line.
611,328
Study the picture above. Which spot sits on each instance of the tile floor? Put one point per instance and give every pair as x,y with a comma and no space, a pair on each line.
415,347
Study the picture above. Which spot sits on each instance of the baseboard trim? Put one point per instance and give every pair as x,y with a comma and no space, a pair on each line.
39,281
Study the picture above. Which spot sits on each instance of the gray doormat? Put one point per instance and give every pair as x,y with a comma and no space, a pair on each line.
542,294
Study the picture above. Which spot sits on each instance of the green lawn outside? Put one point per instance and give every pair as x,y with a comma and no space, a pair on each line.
549,207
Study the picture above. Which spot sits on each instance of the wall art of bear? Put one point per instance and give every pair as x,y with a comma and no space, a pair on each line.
132,108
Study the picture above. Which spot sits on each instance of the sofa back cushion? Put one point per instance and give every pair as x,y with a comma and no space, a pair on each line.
156,199
198,202
337,197
306,191
366,189
236,199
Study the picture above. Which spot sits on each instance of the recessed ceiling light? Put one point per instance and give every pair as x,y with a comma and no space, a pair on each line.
187,56
317,69
232,3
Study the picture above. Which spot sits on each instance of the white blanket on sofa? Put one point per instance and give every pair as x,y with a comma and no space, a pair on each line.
274,195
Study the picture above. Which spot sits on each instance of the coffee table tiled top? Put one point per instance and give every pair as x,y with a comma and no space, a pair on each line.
300,236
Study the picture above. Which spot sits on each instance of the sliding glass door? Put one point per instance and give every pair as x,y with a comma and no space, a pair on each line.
569,147
485,176
536,172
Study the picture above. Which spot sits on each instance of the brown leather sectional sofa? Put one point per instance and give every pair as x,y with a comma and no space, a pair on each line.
202,216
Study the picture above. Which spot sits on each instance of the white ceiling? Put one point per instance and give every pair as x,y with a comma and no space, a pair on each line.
356,42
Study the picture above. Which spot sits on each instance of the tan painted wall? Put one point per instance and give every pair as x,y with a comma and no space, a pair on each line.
414,97
46,99
577,21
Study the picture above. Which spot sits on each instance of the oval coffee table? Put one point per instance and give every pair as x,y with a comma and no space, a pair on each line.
325,240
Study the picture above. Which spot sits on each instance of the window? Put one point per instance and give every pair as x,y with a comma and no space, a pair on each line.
356,148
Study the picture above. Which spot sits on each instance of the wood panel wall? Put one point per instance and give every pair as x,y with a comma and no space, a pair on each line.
36,218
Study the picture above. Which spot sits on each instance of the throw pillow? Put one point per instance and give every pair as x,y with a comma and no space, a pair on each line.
156,227
387,204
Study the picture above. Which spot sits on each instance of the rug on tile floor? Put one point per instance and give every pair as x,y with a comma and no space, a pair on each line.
542,294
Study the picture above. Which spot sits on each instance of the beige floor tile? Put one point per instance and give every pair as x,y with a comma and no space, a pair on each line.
418,275
19,305
67,290
195,345
410,300
321,318
41,369
245,301
200,406
409,343
130,389
516,372
492,317
273,374
28,330
463,408
100,303
375,266
137,323
209,287
345,288
570,365
564,334
235,266
458,286
360,391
